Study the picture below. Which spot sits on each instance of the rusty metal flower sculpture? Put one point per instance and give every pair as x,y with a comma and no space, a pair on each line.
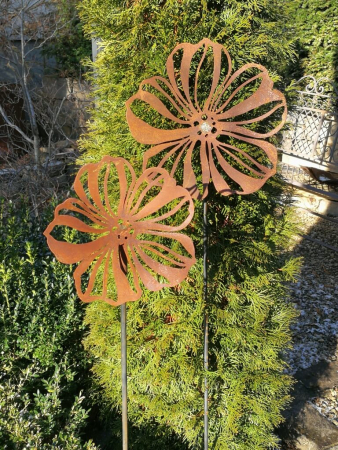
135,240
213,122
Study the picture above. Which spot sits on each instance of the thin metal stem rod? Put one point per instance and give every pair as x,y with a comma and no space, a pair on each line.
206,320
124,376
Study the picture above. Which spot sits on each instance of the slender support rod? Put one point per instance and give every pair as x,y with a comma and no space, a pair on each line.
124,376
206,320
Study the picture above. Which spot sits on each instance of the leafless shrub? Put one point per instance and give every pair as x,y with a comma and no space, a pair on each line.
41,117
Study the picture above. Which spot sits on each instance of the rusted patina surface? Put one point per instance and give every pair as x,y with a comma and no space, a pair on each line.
135,241
214,136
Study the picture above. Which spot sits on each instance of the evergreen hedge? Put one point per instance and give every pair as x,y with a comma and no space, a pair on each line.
316,29
248,264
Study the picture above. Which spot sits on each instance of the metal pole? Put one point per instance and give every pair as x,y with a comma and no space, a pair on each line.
124,376
206,320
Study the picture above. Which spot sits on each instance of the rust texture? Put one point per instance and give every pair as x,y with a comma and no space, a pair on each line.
212,136
133,242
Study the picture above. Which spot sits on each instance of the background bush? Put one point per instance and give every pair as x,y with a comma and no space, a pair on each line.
316,30
44,368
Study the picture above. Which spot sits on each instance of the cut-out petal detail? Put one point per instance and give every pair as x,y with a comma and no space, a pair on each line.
69,253
108,262
92,181
252,175
171,155
181,80
169,197
165,264
156,104
147,134
95,266
263,95
166,91
82,212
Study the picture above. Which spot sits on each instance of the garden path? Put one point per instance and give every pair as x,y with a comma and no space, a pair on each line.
312,420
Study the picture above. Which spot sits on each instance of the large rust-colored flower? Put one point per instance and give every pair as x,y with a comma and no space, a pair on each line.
212,122
130,241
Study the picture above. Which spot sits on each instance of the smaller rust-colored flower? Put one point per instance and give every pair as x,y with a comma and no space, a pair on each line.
211,122
135,240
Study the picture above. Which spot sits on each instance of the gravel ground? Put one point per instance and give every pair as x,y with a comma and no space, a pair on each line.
315,296
328,405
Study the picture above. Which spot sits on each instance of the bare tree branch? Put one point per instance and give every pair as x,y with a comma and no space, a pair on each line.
12,125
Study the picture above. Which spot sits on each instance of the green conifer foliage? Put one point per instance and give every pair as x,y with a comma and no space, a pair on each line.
316,29
248,266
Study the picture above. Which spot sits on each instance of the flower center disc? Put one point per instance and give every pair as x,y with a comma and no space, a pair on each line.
205,127
124,230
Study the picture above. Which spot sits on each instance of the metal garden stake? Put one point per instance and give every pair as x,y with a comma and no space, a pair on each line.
206,320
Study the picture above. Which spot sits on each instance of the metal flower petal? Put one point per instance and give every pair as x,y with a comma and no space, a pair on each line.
126,242
212,122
